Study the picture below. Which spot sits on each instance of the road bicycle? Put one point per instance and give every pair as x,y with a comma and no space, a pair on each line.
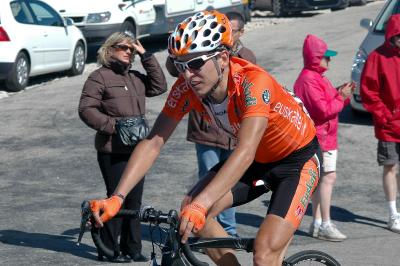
174,253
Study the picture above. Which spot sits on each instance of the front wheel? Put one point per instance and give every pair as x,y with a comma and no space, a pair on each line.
129,29
345,4
78,60
278,8
311,257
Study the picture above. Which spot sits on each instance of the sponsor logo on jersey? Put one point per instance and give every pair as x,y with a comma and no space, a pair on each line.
176,94
292,115
299,212
266,96
249,99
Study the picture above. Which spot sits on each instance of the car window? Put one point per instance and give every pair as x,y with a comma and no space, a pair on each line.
392,8
45,15
21,12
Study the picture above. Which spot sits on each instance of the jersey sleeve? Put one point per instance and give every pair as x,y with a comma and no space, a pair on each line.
258,92
179,101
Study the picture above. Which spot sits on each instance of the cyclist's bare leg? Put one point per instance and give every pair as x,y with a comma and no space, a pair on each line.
212,228
220,256
272,240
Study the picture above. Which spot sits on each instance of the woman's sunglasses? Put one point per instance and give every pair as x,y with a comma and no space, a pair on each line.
195,63
124,47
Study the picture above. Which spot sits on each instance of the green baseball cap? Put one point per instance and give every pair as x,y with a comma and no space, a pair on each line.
330,53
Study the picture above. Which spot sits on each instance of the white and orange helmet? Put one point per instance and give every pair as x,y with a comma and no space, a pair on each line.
205,31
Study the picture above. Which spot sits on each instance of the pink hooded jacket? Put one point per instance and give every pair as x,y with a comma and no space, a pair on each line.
380,85
320,98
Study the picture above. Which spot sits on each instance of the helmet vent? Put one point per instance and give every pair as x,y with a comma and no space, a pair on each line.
206,43
211,17
185,39
222,29
192,25
206,32
213,25
193,46
202,23
180,32
216,36
194,35
178,45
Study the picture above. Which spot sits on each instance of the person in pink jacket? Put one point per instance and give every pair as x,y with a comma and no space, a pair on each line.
324,103
380,94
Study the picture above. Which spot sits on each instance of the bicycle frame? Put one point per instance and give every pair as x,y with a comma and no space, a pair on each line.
174,253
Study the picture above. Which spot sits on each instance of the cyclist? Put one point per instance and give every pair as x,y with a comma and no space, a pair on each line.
276,141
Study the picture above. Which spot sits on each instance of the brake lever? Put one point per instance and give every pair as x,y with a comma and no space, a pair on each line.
86,213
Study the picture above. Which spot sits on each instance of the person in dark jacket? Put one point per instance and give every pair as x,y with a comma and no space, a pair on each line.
380,94
110,93
213,144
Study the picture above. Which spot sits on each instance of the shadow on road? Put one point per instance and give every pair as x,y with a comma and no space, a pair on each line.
58,243
66,242
337,214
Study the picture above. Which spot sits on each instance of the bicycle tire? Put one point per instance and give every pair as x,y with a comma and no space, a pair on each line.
95,232
311,256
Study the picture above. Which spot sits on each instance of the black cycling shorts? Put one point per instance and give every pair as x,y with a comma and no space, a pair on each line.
291,180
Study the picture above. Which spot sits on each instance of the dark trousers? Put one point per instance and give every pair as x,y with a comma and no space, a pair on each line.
112,166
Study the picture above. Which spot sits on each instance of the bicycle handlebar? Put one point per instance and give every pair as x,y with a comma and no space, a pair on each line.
146,214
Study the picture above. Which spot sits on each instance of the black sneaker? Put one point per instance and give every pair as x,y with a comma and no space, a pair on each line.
138,257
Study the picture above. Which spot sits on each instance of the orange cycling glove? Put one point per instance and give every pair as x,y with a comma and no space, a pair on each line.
195,213
110,207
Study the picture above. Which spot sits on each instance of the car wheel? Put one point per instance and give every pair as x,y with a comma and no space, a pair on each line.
129,28
277,8
78,60
362,2
345,4
18,78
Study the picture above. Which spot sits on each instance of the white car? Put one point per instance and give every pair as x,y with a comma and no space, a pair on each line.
374,38
98,19
35,40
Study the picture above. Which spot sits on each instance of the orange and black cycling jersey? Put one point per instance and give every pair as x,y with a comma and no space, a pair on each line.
252,92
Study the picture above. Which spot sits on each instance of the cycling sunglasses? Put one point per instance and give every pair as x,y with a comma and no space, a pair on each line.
124,47
195,63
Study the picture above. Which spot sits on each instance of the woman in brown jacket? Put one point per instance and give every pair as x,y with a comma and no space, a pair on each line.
110,93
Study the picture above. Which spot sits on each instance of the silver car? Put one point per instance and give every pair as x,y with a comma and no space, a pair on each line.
374,38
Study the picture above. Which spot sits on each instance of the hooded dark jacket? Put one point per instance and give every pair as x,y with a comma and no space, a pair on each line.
380,85
111,93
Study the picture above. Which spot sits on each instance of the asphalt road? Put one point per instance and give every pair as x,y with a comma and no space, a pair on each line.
48,163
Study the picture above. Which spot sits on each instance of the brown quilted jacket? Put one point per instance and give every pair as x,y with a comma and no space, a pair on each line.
116,92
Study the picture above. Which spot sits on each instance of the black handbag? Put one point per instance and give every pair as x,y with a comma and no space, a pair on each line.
131,130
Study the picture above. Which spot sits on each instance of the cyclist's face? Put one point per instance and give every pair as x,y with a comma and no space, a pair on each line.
201,80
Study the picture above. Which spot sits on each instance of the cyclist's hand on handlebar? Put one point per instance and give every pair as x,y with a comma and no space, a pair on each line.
193,218
109,208
186,201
